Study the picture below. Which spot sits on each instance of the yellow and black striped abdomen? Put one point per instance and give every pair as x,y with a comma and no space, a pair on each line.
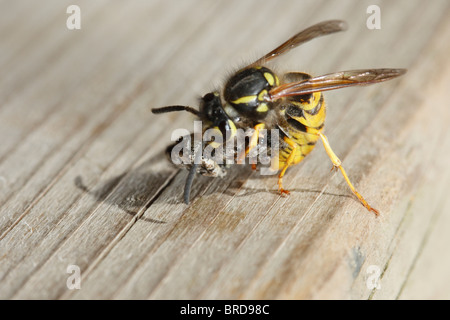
304,117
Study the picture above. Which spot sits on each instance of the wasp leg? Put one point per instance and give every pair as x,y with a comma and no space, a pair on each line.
252,143
289,161
338,165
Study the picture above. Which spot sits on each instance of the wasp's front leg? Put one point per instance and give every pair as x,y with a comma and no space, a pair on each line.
252,144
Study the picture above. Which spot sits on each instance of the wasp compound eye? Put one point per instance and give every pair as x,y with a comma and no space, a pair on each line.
209,103
209,97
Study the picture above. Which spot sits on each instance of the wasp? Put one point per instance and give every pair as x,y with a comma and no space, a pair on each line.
255,97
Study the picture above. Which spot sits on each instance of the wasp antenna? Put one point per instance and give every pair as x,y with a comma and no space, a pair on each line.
175,108
188,184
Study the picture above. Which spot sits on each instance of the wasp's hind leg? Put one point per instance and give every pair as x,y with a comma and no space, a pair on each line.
289,161
338,164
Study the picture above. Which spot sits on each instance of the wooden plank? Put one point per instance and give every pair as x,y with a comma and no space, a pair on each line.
84,180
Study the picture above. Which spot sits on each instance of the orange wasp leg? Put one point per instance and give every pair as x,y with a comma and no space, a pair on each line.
289,161
338,164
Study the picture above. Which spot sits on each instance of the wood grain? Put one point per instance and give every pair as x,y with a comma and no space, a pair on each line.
84,180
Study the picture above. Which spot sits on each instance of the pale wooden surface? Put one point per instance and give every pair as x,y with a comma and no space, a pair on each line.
83,180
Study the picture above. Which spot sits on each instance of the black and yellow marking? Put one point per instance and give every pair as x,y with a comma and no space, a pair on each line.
248,91
228,133
305,119
272,79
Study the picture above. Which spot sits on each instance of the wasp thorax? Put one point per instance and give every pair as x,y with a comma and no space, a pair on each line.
248,91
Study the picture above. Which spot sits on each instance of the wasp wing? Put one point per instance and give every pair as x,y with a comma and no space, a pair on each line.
317,30
334,81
